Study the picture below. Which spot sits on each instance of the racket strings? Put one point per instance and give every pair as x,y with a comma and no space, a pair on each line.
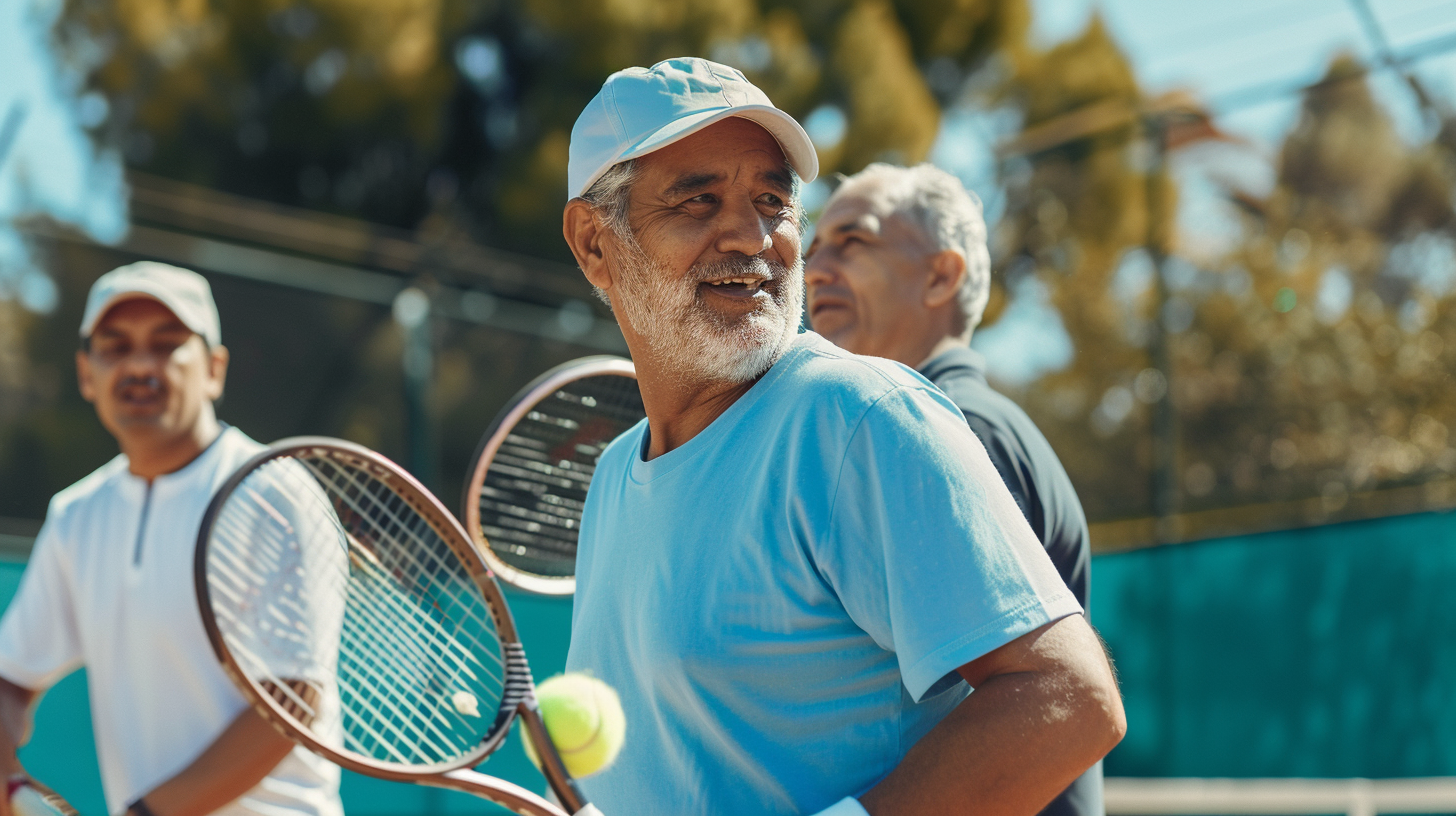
320,571
458,588
535,485
421,562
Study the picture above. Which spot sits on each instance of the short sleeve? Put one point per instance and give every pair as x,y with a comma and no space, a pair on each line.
39,639
927,550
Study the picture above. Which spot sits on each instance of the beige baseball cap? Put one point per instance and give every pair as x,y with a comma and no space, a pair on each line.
183,291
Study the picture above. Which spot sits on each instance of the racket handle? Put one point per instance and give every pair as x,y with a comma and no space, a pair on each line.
25,800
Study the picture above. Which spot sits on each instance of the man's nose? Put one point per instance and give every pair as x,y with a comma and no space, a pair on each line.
142,361
745,230
818,270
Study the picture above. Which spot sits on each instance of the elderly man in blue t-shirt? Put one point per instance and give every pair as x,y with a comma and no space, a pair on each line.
799,566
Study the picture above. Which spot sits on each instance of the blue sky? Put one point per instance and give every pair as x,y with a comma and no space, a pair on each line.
48,164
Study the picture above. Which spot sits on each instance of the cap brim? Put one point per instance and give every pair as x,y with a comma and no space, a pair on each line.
118,298
798,148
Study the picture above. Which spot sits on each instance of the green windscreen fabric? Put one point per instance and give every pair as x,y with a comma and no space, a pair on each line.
1320,652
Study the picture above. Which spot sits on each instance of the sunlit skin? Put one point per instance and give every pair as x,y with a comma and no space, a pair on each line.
722,191
153,382
876,284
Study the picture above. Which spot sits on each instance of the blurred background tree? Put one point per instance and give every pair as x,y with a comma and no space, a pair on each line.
1305,358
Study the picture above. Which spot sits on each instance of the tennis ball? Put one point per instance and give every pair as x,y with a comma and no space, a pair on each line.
584,718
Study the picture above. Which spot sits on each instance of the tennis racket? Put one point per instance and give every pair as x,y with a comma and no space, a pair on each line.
352,611
526,491
30,798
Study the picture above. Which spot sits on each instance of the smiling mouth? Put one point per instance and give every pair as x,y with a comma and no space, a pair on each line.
744,283
742,286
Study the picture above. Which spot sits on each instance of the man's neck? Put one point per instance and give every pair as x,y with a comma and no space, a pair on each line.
678,411
151,458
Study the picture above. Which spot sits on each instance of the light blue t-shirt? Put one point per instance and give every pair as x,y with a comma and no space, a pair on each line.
782,602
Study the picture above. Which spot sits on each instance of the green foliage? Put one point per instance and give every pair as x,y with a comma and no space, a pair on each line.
453,118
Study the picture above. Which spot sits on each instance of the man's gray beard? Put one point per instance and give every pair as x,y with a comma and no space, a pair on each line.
693,341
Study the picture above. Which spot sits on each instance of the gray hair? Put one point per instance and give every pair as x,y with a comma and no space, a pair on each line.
950,217
611,196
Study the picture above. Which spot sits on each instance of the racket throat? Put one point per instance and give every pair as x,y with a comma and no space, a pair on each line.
506,794
552,766
520,698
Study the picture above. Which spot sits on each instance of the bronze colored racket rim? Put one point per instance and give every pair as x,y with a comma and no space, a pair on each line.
518,683
52,798
521,404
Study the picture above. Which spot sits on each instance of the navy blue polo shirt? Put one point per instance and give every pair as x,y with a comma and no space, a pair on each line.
1042,489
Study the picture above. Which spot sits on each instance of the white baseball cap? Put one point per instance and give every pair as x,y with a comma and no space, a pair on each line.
639,110
183,291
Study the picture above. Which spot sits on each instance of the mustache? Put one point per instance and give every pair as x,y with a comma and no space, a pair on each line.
738,265
149,382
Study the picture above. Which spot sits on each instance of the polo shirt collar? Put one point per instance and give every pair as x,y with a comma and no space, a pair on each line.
961,361
184,474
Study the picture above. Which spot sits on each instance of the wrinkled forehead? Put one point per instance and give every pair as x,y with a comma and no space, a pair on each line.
866,204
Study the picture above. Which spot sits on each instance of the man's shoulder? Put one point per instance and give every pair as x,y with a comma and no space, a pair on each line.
983,406
237,448
822,369
87,490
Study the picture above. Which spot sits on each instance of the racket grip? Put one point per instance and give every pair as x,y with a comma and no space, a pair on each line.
25,800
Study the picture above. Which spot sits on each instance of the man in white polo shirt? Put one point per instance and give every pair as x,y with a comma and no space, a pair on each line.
109,583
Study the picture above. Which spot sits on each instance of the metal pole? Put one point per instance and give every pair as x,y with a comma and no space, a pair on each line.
413,313
1164,476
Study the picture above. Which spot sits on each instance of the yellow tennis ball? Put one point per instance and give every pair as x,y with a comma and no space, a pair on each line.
584,717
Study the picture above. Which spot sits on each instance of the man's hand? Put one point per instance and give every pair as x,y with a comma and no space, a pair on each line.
1044,709
17,704
235,762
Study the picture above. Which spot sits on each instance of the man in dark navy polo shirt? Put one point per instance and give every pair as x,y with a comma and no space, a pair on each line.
898,268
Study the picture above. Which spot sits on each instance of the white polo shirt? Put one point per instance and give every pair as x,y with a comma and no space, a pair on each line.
109,587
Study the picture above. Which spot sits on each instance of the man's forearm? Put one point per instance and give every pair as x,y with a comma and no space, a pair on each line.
1015,743
235,762
17,704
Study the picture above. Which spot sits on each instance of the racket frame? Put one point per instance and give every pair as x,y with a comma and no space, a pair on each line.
518,697
519,405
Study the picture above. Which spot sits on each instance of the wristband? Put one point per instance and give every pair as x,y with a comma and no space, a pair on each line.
848,806
139,807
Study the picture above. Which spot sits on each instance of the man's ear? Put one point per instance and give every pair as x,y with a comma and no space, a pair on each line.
217,367
943,281
83,376
585,234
